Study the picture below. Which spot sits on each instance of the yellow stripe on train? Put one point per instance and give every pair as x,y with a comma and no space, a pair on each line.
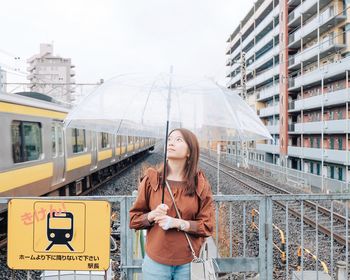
31,111
78,161
118,151
23,176
104,154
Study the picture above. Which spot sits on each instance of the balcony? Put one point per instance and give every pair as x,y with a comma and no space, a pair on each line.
268,92
326,71
269,111
331,126
228,61
301,9
332,98
265,22
334,156
234,79
235,52
267,38
267,74
268,148
307,54
232,69
265,57
304,31
249,38
326,46
310,28
263,76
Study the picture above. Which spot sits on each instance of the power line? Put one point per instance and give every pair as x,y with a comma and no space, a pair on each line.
9,53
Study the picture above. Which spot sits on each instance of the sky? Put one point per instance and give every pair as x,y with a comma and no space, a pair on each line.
105,38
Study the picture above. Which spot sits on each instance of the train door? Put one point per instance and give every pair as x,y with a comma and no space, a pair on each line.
94,150
58,158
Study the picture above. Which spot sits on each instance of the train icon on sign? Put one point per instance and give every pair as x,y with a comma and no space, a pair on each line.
60,226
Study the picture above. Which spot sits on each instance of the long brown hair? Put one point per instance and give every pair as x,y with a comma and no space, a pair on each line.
191,167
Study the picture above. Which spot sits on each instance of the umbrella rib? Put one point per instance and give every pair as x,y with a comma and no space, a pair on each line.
149,94
234,114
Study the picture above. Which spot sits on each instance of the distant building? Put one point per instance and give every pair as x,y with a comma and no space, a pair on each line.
51,75
2,81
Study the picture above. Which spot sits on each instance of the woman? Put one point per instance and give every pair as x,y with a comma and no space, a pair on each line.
168,254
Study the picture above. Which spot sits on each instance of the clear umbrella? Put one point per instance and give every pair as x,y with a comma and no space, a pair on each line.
148,106
141,105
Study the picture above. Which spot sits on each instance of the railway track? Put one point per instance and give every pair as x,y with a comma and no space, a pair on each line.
309,209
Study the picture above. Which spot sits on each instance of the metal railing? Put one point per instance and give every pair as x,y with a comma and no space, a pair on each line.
249,250
301,179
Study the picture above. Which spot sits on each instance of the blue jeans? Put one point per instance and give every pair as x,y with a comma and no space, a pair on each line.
152,270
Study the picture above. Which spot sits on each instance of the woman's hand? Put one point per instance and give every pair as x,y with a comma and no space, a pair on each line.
166,222
161,210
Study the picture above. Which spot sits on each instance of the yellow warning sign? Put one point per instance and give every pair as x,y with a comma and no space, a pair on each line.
58,235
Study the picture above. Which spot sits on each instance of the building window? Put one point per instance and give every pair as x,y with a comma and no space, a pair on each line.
311,168
340,143
340,115
340,174
26,141
332,172
332,142
318,166
104,140
78,140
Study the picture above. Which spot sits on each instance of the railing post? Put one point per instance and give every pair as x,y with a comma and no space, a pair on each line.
262,240
130,241
265,239
269,238
123,239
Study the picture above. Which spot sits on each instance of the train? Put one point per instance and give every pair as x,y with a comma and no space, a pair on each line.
40,157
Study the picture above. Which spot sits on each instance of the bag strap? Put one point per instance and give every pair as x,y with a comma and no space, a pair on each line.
195,259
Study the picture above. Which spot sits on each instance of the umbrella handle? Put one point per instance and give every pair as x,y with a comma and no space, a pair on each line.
165,156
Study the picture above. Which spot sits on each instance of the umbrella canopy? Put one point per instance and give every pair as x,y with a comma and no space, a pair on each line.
141,105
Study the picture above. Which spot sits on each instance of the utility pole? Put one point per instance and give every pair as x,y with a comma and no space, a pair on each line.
244,144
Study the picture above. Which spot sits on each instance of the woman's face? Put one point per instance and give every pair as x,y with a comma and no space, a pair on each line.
177,147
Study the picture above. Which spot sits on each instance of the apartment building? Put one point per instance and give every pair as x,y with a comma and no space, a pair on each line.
297,61
51,75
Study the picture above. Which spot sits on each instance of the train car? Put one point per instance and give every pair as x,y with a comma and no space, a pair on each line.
39,157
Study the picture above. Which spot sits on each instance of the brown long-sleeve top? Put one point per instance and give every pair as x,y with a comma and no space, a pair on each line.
170,247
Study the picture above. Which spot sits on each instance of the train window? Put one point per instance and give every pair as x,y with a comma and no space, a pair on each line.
60,140
78,140
118,140
104,140
123,140
53,141
26,141
130,139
